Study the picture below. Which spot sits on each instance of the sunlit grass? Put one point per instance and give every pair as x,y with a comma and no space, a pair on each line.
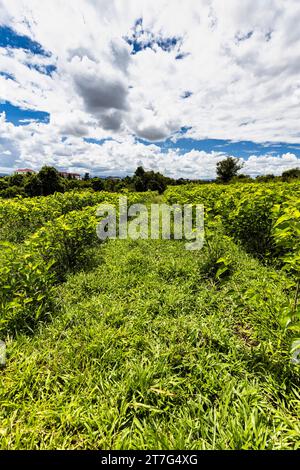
149,351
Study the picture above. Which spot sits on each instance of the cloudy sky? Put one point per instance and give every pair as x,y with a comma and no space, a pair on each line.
106,85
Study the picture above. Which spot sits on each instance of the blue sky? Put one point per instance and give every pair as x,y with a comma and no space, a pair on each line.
10,38
140,39
241,149
21,117
175,87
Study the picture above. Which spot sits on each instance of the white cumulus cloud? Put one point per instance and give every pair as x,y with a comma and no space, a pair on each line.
124,70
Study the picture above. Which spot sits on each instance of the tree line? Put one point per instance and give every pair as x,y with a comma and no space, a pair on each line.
48,180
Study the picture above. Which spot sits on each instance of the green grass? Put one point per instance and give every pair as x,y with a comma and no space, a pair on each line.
148,350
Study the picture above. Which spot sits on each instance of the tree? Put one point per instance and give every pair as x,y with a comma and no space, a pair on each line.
86,177
97,184
266,178
12,191
291,174
3,183
241,178
33,186
74,184
16,180
228,168
140,171
139,184
149,180
50,180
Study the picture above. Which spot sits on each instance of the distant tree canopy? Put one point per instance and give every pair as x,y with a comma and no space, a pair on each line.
150,181
16,180
97,184
33,186
241,178
139,171
265,178
48,180
291,174
228,168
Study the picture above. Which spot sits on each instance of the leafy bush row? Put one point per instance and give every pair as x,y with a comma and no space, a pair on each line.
266,220
28,274
29,271
247,211
286,233
26,285
21,217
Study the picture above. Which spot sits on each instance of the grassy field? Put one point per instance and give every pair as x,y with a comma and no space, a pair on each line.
149,349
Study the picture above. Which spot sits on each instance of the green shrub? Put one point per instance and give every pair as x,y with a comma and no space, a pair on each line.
245,210
21,217
26,285
62,241
286,233
29,271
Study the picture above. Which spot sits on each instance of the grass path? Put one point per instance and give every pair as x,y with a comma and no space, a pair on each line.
145,351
